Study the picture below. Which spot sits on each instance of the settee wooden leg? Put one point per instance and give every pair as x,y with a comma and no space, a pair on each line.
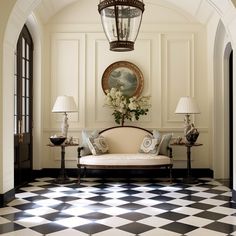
170,169
85,170
79,174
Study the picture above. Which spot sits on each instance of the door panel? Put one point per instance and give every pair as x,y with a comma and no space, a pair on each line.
23,110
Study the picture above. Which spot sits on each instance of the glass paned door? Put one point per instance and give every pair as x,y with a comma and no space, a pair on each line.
23,108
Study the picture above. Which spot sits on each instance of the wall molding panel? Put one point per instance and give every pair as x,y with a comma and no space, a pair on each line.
178,73
68,73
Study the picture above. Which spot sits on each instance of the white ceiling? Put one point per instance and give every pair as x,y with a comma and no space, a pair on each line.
201,10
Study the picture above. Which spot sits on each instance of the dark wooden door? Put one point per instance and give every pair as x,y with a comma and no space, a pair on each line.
23,113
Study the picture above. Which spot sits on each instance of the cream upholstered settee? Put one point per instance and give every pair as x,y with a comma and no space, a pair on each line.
122,149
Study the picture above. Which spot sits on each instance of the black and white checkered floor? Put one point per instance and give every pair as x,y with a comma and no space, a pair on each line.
144,207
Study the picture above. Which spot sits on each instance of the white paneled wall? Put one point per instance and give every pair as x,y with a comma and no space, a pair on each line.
168,61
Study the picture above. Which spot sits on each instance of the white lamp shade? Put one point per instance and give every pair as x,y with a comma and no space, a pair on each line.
187,105
64,104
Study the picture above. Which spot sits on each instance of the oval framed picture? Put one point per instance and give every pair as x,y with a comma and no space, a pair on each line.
124,76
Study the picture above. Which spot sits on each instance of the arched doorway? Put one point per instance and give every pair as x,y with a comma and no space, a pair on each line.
17,19
23,109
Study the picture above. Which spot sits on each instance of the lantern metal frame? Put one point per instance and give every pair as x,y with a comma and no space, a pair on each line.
120,31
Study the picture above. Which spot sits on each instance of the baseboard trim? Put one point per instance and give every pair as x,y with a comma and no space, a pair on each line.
234,195
7,197
113,173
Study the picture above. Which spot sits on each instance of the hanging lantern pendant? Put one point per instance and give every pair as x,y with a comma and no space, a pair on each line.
121,20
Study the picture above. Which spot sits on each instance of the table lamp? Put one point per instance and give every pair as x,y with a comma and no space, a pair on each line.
187,106
64,104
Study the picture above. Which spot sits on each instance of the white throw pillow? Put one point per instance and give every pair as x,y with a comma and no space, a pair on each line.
149,145
85,135
165,141
98,145
156,134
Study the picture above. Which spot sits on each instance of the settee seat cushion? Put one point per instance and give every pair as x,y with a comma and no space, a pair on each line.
125,160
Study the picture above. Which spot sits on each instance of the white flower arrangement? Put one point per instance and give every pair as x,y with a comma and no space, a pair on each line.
125,107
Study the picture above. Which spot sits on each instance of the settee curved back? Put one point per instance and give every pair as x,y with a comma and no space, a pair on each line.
124,139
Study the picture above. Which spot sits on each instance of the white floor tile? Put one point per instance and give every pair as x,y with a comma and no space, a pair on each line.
73,222
16,202
143,189
39,183
81,202
83,195
114,221
196,188
114,211
114,202
187,210
113,232
195,221
40,211
4,220
150,211
77,211
229,220
170,188
222,188
155,221
60,189
148,202
160,232
181,202
32,189
213,202
144,195
22,232
31,221
67,232
54,195
204,194
44,179
25,195
174,195
223,210
204,232
48,202
8,210
115,195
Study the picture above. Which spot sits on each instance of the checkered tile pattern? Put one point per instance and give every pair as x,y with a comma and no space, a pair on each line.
120,207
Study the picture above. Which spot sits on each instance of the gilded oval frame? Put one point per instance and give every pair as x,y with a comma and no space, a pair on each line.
125,76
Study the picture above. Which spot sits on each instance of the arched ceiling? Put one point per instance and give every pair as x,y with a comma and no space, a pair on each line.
48,8
201,10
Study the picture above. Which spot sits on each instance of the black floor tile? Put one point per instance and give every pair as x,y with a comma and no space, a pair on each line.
201,206
95,216
134,216
48,228
179,227
132,206
135,228
9,227
92,228
221,227
172,216
166,206
210,215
